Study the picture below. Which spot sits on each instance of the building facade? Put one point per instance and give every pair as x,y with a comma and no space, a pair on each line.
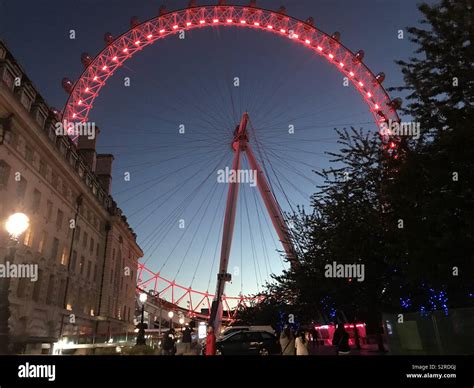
84,250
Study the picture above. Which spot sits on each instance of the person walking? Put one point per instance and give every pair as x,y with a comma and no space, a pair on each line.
301,344
210,342
187,340
340,339
168,343
287,342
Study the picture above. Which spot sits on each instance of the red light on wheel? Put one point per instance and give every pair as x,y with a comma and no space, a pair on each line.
86,90
188,23
95,78
74,115
229,20
162,31
331,56
320,48
256,24
392,145
307,41
137,43
341,64
351,74
215,20
361,84
243,22
125,50
149,36
114,58
175,27
104,68
377,106
202,21
295,36
270,27
369,94
282,30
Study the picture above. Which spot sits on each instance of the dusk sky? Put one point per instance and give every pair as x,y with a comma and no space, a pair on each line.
190,82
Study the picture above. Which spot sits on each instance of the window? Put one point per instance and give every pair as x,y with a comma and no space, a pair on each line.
89,265
59,219
64,256
84,239
95,272
28,154
62,291
81,265
42,242
22,285
97,250
4,174
37,288
28,237
54,249
49,210
42,169
54,180
267,336
253,336
73,261
35,204
238,337
91,246
49,292
21,188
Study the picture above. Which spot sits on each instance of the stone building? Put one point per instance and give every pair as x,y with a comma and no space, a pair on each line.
85,251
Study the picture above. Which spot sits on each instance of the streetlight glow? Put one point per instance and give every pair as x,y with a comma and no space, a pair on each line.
181,321
171,315
142,297
17,224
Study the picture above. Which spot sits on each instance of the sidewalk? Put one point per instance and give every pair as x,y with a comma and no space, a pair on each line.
367,350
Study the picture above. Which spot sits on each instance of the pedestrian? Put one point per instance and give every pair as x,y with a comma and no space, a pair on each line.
168,344
314,337
187,339
301,344
287,342
340,339
210,342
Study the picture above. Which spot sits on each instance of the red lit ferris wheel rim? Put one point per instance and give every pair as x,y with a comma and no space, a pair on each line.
86,89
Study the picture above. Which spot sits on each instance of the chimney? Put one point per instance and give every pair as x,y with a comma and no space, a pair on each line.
103,171
86,145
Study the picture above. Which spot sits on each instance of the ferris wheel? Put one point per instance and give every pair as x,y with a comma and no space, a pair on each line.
230,208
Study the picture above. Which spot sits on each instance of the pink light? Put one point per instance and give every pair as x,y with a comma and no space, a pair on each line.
351,74
188,23
137,43
162,31
79,102
149,36
341,64
296,36
256,24
74,115
202,21
229,20
125,50
361,84
331,56
95,78
175,27
377,106
215,20
369,94
283,30
320,48
243,22
307,41
270,27
87,90
114,58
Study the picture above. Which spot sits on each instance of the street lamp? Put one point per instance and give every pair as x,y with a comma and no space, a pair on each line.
141,331
15,226
181,321
171,315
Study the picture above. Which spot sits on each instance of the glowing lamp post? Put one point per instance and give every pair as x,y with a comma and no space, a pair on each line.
170,316
141,331
15,226
181,321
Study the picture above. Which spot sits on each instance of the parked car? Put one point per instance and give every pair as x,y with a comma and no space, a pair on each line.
249,343
234,329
